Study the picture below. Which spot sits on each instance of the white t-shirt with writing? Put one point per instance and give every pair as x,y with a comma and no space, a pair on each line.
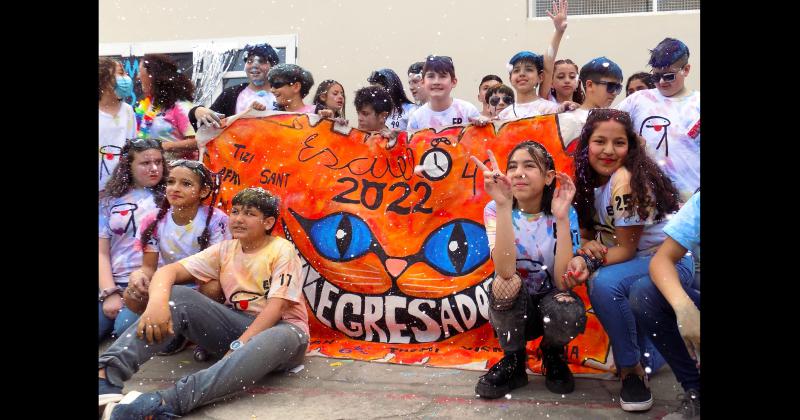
459,112
529,109
400,121
671,127
613,209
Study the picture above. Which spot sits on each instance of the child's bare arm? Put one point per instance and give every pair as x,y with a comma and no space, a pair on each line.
559,17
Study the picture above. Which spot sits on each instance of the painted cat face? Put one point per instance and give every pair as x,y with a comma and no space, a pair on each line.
390,256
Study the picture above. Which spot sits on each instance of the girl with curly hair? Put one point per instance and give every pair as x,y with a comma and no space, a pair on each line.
623,200
135,187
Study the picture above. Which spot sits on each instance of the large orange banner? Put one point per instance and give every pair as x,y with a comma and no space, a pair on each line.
396,265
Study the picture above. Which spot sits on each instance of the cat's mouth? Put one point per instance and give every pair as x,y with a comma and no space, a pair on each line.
394,317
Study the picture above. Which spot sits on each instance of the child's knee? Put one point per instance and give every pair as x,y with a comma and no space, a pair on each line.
642,297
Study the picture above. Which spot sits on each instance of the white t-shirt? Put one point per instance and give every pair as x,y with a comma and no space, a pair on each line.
529,109
671,127
173,242
114,130
459,112
612,205
119,221
247,96
571,124
400,121
535,241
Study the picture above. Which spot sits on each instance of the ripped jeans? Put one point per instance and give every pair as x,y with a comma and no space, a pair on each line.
534,316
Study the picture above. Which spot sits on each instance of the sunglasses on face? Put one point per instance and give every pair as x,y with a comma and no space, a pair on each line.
667,77
142,144
495,100
191,164
280,83
613,88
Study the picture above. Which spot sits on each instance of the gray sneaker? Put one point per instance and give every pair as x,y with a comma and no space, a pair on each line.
690,406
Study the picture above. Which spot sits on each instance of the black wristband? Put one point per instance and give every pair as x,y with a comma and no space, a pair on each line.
591,264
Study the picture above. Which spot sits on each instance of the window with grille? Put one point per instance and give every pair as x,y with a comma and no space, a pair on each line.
538,8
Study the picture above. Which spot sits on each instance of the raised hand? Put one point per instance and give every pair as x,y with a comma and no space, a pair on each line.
562,196
559,15
496,184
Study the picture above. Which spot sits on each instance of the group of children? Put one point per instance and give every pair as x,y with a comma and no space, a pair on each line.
623,224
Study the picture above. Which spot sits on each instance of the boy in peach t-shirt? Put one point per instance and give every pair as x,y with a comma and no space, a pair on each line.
263,325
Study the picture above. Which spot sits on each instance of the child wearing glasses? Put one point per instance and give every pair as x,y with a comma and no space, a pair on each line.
135,186
533,232
668,117
487,82
259,59
262,327
601,79
623,200
498,98
439,79
291,83
529,71
177,229
402,106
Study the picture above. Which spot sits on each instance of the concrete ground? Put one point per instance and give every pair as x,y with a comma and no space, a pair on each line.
345,389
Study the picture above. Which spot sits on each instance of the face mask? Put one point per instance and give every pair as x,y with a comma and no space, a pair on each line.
123,87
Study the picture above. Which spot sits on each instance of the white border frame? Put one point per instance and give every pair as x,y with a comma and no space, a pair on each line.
655,12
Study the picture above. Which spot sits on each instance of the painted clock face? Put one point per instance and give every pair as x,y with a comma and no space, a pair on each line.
436,164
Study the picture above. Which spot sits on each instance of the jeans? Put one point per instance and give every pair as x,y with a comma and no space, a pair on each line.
212,326
125,318
609,291
657,318
538,316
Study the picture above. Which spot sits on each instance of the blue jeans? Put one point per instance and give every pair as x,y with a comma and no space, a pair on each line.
115,326
657,318
609,290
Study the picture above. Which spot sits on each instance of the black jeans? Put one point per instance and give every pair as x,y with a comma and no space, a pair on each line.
534,316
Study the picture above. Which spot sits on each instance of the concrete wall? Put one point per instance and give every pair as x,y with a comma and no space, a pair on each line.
347,39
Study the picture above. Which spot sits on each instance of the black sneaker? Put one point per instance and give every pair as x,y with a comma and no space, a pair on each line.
690,406
177,345
201,354
507,374
635,394
558,377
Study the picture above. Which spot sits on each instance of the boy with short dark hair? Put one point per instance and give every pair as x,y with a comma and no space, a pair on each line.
263,325
290,84
601,79
415,83
668,117
373,105
442,109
